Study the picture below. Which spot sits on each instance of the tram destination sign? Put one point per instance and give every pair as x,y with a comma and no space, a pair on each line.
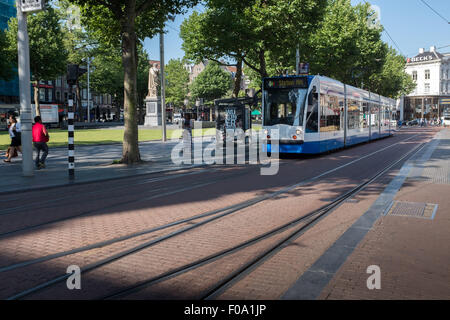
285,83
31,5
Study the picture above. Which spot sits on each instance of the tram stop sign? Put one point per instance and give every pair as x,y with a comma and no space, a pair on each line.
31,5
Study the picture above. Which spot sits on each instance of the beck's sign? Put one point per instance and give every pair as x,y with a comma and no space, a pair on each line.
420,59
31,5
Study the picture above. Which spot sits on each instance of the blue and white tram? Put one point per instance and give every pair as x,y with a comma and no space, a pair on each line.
315,114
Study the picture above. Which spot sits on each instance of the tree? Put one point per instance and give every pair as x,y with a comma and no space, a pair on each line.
393,81
48,57
177,82
79,44
107,73
125,22
5,59
212,83
345,47
251,32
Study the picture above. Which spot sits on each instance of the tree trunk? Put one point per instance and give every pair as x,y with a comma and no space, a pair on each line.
238,78
130,147
36,99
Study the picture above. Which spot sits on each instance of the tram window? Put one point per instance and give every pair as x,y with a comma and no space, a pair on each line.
375,115
281,107
353,114
330,116
312,114
364,120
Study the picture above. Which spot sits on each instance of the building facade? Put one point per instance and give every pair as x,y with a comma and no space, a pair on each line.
431,71
9,90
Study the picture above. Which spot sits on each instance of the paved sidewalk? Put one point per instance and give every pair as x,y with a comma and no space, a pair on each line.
92,163
405,233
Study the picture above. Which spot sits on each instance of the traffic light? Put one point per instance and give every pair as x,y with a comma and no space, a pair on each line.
74,71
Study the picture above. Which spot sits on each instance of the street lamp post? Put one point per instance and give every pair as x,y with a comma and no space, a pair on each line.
163,82
23,51
89,59
163,86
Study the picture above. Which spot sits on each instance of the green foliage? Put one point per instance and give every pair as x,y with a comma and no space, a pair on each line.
393,81
78,42
177,82
118,23
345,47
5,58
48,56
107,75
253,31
212,83
108,21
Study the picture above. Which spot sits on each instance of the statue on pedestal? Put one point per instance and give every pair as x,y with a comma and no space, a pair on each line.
152,101
153,81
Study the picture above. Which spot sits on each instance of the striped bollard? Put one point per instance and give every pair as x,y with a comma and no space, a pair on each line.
70,130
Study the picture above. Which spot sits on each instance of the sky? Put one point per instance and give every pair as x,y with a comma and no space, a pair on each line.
410,24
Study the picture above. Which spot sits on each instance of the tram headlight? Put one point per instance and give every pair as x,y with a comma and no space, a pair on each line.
298,131
266,131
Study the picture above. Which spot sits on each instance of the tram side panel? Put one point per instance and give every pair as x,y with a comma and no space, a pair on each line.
357,116
374,120
332,115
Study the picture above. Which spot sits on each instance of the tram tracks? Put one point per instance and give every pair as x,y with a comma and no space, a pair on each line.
306,222
216,214
151,195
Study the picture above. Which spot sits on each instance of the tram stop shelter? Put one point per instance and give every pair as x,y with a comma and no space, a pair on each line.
232,114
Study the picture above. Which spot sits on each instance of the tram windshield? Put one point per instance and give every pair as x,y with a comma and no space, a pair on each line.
280,106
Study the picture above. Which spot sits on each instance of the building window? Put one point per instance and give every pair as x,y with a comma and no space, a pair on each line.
58,96
427,88
427,74
50,95
414,75
65,96
58,82
41,94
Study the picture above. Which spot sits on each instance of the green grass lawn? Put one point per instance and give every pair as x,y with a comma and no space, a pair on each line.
58,138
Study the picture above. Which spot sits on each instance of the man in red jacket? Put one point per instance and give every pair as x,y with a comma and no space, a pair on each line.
40,139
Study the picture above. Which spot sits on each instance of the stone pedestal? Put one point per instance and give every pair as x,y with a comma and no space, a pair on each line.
153,112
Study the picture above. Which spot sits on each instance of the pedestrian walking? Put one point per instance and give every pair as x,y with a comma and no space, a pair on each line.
40,139
16,141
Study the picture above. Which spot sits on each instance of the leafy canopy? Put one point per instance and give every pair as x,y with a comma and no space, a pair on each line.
212,83
5,58
251,30
177,82
48,56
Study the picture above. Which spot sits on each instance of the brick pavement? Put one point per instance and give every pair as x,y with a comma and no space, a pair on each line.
119,220
413,252
92,163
